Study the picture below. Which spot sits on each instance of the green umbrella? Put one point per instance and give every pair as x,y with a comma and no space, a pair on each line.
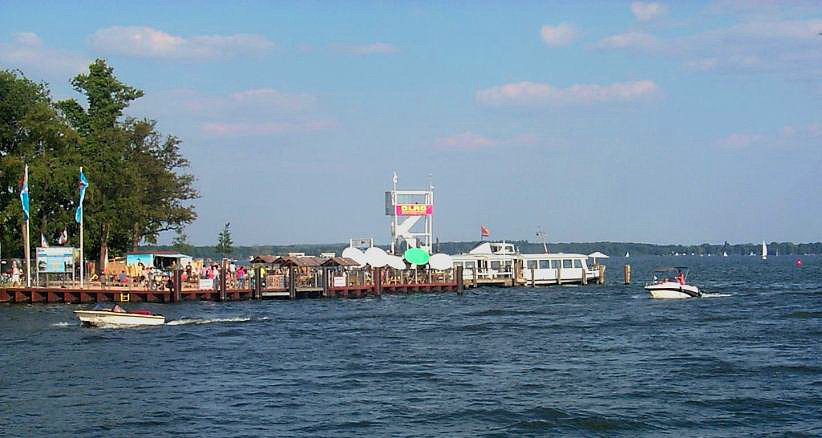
416,256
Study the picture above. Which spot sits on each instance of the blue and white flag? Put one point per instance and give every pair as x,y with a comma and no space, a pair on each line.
24,194
83,184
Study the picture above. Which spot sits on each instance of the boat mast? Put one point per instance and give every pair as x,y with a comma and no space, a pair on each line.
541,235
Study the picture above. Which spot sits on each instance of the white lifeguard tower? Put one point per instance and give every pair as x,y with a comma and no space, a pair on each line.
412,213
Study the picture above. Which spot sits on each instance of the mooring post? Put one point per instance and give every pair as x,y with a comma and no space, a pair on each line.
627,274
559,274
292,282
325,281
584,276
533,278
378,281
258,285
176,294
460,280
222,282
601,274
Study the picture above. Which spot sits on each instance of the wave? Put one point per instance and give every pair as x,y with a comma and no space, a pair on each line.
804,314
706,295
64,324
214,320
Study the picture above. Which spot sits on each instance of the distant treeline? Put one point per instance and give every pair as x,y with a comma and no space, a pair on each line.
609,248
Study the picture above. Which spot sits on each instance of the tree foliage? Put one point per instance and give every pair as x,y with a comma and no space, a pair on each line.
180,242
138,185
225,246
33,132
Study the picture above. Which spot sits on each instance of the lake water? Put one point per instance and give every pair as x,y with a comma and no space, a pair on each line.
595,360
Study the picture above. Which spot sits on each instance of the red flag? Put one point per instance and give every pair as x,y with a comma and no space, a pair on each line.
484,231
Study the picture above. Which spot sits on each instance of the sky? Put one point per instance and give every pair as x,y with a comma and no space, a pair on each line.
660,122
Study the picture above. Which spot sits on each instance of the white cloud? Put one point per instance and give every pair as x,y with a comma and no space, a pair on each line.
146,42
245,129
559,35
644,11
535,93
27,52
378,48
251,112
270,97
789,137
464,141
739,140
763,45
630,40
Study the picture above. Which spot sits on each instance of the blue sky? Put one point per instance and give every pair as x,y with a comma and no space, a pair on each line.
628,121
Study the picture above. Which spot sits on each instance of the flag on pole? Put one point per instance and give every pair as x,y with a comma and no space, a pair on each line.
83,184
24,194
43,242
484,231
63,237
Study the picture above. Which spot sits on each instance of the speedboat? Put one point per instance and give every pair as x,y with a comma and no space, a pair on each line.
117,316
669,283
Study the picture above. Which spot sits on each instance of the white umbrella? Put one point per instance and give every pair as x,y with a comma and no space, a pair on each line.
597,255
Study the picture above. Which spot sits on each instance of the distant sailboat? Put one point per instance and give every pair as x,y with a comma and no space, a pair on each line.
724,254
764,251
627,254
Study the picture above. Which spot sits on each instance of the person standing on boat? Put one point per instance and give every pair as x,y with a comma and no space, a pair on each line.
681,278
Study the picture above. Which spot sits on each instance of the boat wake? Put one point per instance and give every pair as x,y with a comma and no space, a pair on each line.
64,324
214,320
704,295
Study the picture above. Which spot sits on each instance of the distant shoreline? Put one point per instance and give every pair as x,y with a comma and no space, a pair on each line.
610,248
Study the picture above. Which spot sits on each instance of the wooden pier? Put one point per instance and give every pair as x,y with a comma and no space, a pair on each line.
377,282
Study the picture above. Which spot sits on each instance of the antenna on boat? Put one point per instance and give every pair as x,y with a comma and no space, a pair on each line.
541,236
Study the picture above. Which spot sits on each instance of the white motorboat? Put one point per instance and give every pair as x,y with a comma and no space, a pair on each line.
669,283
116,316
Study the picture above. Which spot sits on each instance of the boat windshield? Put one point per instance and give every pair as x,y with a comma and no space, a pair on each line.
108,307
671,274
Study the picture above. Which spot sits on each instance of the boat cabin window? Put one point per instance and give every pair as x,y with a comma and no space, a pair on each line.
495,265
577,263
470,265
567,263
543,264
532,264
555,264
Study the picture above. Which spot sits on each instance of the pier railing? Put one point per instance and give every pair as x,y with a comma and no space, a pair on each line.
256,283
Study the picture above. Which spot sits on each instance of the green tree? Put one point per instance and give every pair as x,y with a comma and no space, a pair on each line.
224,244
33,132
180,242
137,185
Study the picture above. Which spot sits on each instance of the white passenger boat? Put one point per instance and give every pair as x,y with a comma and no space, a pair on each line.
116,316
669,283
501,263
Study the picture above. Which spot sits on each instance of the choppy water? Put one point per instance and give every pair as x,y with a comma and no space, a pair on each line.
492,362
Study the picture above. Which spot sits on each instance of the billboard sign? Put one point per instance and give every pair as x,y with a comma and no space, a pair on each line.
414,209
55,259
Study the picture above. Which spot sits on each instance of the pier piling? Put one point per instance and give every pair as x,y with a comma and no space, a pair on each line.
258,282
292,282
627,270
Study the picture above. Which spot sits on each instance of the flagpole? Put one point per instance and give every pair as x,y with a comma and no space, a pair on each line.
82,260
27,249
